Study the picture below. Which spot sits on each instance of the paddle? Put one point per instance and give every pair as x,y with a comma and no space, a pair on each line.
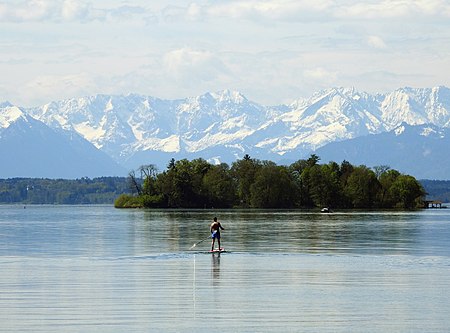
199,242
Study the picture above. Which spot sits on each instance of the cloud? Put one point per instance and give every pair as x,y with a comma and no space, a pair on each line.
261,11
275,10
127,12
321,75
307,11
41,10
32,10
174,13
249,10
74,10
187,64
66,11
195,11
271,49
376,42
56,87
421,9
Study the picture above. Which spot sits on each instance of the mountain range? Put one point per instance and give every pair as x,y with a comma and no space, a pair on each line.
103,135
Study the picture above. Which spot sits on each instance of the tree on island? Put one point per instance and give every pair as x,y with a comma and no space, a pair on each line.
251,183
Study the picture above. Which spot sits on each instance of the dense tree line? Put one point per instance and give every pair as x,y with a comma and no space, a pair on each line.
103,190
251,183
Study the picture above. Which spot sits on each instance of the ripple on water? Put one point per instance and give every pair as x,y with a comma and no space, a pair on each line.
66,270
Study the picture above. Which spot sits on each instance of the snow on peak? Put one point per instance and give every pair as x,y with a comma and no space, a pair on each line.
229,96
399,130
10,115
168,144
109,105
125,125
427,131
213,100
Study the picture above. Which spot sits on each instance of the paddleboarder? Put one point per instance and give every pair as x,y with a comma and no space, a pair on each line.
215,232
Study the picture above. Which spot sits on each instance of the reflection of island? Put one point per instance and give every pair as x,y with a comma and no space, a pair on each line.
215,267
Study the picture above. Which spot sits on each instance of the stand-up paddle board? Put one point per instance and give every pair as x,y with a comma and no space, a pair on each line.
217,250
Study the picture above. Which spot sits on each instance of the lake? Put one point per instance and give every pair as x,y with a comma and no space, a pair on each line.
100,269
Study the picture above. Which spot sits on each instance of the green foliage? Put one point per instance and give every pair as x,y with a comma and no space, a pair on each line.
244,173
406,189
102,190
151,201
263,184
272,188
362,187
219,186
127,201
247,183
323,185
386,197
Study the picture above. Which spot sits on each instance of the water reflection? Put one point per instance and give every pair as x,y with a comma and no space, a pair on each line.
285,231
297,231
97,269
215,268
103,231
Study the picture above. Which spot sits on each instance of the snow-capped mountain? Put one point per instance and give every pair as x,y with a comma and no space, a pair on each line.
331,115
418,150
416,107
223,126
29,148
125,126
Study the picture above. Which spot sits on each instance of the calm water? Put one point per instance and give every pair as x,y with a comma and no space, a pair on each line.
98,269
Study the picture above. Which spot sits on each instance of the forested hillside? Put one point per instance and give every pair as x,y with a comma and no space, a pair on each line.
103,190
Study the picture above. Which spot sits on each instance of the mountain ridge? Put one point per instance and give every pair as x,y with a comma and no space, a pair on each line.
136,129
402,148
30,148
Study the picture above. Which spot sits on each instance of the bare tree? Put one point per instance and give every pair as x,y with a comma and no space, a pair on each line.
380,169
134,185
148,171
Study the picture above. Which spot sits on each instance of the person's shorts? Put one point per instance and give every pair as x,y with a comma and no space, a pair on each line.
215,235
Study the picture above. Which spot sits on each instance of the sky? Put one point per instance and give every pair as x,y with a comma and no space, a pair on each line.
272,51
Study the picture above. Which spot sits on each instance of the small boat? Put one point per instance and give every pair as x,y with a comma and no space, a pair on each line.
326,210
